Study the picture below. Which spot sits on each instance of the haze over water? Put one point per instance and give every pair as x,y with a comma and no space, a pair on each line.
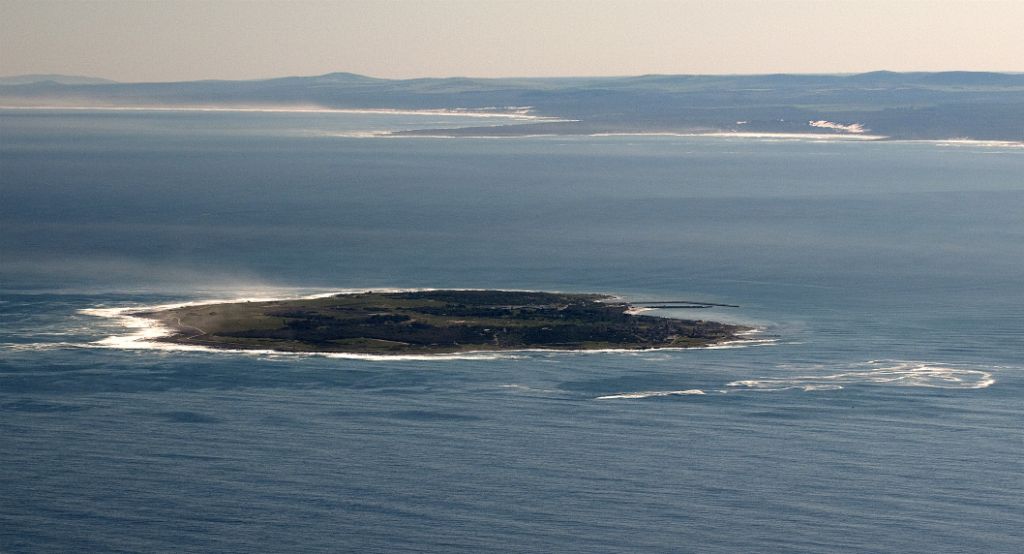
884,417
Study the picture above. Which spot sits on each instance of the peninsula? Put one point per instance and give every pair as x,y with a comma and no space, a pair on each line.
436,322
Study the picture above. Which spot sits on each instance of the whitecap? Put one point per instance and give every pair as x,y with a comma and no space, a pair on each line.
40,346
879,372
741,343
857,128
651,394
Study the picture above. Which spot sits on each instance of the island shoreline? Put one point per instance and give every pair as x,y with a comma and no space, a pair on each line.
575,323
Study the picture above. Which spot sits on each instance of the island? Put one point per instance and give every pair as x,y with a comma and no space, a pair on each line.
438,322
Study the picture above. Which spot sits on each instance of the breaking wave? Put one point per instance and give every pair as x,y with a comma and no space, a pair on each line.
741,343
650,394
884,372
856,128
40,346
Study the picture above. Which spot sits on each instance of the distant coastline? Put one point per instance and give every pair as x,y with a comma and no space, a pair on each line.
879,105
541,130
525,125
518,114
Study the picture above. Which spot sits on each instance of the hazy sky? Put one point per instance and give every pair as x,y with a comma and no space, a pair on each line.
173,40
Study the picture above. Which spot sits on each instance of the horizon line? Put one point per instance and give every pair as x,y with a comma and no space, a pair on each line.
533,78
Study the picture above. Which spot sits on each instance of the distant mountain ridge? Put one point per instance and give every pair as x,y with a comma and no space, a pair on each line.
53,78
952,104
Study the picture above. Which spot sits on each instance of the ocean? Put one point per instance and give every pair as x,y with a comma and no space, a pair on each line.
880,409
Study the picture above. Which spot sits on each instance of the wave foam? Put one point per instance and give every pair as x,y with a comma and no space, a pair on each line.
650,394
741,343
900,374
39,346
857,128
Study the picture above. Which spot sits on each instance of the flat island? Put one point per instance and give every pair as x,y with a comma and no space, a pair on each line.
435,322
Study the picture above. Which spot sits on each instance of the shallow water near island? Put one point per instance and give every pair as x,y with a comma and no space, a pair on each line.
880,411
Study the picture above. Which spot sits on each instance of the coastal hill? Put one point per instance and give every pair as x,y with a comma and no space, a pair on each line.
433,322
946,105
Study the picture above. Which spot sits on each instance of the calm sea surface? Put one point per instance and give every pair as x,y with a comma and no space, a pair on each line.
881,413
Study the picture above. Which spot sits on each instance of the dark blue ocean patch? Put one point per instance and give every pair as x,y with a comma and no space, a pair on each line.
275,420
188,417
790,414
39,407
181,456
626,383
347,413
427,415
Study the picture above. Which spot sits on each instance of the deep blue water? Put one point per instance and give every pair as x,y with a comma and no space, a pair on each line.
887,415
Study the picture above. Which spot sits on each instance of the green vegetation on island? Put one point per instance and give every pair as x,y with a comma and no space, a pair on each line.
434,322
